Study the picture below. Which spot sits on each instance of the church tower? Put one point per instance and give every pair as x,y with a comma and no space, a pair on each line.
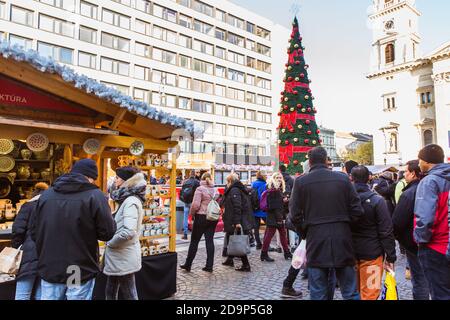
396,38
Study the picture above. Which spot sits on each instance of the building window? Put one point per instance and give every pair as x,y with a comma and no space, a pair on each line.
115,42
115,66
220,71
390,53
426,98
63,4
88,10
116,19
143,50
220,34
202,27
164,78
263,33
164,34
184,103
2,10
236,57
250,45
250,115
220,52
185,21
389,103
250,97
202,8
251,133
87,60
250,80
220,15
263,66
220,109
264,117
250,27
184,82
59,54
427,137
54,25
25,43
144,5
184,61
220,129
262,49
203,66
234,112
143,27
264,100
186,3
202,106
235,39
165,13
88,34
122,89
235,75
22,16
140,95
251,62
185,41
141,72
235,94
393,142
203,47
235,22
164,56
264,83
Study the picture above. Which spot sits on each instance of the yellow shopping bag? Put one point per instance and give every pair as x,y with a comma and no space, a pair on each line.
390,287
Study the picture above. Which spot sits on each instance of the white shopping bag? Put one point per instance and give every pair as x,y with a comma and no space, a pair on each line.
299,257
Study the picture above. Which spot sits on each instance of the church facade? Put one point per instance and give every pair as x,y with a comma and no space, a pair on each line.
413,90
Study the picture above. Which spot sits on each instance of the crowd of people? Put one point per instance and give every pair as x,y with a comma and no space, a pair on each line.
349,220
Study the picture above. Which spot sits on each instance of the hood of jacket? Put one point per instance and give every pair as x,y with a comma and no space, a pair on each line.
364,191
72,183
239,185
441,170
135,186
205,184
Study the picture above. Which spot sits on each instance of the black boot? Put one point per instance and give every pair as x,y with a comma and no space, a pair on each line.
229,262
288,255
186,267
244,268
259,246
265,257
224,252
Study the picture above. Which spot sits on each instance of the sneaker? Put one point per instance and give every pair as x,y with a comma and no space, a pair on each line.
291,293
408,274
185,237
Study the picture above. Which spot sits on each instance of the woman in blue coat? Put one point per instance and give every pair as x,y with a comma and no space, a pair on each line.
260,185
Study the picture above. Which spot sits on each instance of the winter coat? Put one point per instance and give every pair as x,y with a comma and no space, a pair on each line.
260,185
322,206
276,209
288,181
386,188
191,183
202,197
21,236
403,217
431,210
373,234
71,217
238,208
123,252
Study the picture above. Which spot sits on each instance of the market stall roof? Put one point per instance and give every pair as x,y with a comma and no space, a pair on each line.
131,117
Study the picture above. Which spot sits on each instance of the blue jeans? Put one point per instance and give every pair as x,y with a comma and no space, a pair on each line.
60,291
322,283
436,268
25,286
187,208
419,281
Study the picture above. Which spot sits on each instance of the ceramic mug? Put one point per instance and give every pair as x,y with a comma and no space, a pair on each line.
152,232
146,233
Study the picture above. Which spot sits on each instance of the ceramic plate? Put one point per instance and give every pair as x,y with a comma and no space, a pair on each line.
37,142
6,146
91,146
137,148
6,163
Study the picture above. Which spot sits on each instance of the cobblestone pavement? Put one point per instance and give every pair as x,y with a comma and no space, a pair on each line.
264,282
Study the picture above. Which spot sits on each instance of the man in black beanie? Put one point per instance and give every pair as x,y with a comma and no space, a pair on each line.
70,218
431,211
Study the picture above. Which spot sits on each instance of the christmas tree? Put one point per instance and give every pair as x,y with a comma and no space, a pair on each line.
298,132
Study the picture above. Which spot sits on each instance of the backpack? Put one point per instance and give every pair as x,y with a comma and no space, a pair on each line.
254,198
213,209
187,192
263,202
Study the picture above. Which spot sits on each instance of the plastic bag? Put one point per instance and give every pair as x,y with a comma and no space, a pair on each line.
299,256
390,287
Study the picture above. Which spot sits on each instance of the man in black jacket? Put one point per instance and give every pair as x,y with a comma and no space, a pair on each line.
71,217
322,206
187,195
373,237
403,220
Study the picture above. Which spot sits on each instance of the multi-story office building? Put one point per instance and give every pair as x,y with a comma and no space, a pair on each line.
210,61
329,143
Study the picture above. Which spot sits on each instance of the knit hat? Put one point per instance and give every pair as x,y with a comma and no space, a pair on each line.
126,173
432,153
86,167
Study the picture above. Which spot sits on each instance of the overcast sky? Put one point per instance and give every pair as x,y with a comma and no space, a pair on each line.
337,40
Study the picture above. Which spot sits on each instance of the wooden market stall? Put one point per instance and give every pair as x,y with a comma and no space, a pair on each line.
44,105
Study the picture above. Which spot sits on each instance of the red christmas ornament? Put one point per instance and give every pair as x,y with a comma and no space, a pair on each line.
309,91
309,109
302,75
290,79
285,107
279,114
299,105
307,122
301,38
286,142
287,64
306,141
297,62
295,92
300,51
295,162
282,93
292,130
309,132
320,140
318,131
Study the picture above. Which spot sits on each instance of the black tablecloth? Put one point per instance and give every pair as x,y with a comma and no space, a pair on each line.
156,280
